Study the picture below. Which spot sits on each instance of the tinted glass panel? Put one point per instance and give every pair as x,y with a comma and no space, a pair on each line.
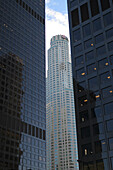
80,73
86,30
111,60
84,12
88,44
101,50
97,25
108,19
78,48
96,112
81,86
109,33
75,17
84,116
111,143
103,63
99,38
86,149
94,7
89,55
91,68
98,128
108,108
105,4
79,60
112,162
110,46
77,35
110,125
85,132
105,78
107,92
93,83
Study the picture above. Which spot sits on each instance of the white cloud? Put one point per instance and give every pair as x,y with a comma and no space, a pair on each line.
47,1
56,23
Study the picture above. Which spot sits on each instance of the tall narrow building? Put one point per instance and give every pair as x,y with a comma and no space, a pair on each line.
91,32
61,128
22,85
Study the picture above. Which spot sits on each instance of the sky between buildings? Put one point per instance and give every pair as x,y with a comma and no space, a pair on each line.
56,20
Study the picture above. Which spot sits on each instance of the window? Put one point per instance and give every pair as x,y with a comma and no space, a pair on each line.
81,86
96,112
108,108
101,50
102,164
110,125
86,149
77,35
103,63
98,129
79,60
94,96
99,38
109,33
112,162
98,147
107,92
105,78
80,73
111,143
91,68
82,101
85,132
94,7
75,17
93,83
88,44
84,12
111,60
86,30
108,19
110,46
105,4
89,55
84,116
78,48
97,25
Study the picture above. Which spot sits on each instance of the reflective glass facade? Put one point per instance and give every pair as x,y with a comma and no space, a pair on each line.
22,85
61,128
91,32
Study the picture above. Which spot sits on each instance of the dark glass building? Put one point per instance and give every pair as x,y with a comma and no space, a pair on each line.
91,33
22,85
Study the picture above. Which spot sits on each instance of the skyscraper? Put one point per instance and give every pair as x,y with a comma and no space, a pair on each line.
91,31
61,128
22,85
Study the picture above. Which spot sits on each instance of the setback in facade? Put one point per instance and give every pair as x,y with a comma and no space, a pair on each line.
61,129
22,85
91,32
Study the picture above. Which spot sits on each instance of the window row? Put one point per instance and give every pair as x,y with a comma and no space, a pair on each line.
85,12
19,126
31,11
96,112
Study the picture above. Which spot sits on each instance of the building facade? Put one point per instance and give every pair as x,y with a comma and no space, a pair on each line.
91,32
61,129
22,85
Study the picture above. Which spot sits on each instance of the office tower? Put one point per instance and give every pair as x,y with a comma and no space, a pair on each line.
22,85
61,128
91,31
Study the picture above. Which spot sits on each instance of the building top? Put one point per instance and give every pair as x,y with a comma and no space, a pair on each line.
57,38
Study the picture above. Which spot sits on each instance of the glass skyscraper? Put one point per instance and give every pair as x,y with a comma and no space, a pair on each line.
61,128
91,32
22,85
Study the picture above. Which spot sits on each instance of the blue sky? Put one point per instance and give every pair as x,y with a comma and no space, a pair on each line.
58,5
56,19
